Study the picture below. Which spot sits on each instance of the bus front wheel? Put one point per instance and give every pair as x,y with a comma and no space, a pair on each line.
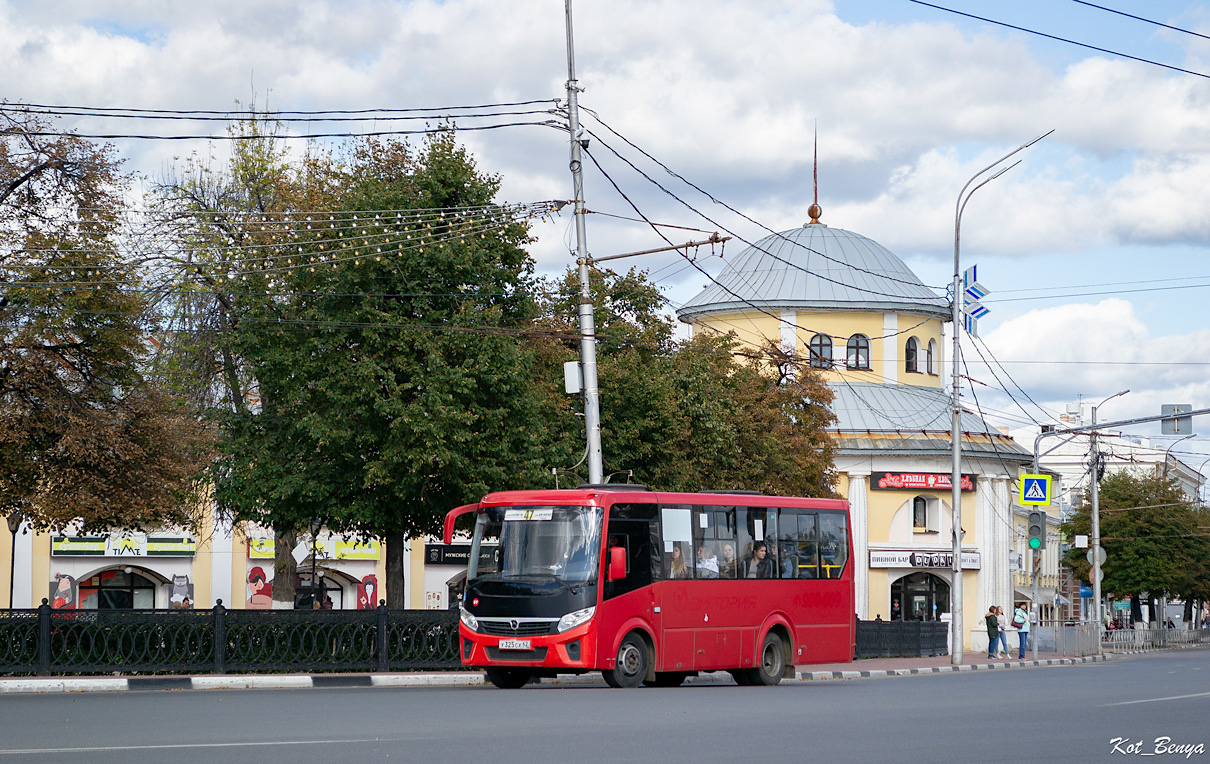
631,667
509,678
772,661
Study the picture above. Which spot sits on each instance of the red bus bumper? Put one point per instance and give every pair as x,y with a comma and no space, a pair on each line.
574,649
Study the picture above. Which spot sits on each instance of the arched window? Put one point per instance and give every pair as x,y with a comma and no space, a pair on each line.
858,352
930,360
821,351
911,352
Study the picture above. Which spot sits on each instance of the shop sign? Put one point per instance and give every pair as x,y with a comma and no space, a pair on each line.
906,558
132,545
453,554
329,548
917,481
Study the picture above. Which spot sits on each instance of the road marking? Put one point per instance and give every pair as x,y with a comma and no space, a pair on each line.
1157,700
169,746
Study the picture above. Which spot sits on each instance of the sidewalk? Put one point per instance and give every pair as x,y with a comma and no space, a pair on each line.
880,667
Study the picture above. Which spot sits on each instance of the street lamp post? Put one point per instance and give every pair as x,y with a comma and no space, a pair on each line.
14,524
956,426
1095,513
316,526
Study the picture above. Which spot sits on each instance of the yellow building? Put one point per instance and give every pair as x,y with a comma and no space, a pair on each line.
875,333
175,569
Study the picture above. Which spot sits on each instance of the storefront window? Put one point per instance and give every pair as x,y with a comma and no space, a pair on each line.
121,589
919,597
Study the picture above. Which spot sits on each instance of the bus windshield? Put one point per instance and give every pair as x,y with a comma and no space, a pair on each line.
537,544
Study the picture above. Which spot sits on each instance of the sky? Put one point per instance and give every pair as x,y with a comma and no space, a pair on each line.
1094,246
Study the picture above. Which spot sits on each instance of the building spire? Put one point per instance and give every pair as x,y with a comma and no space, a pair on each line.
815,211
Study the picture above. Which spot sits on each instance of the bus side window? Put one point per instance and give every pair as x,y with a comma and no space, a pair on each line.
833,544
808,546
787,543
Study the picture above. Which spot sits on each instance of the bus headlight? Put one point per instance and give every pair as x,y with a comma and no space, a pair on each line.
468,620
572,620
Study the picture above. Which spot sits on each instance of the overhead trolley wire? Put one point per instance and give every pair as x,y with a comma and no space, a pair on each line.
1063,39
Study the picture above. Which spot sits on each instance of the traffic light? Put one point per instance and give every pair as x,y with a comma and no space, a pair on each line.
1037,530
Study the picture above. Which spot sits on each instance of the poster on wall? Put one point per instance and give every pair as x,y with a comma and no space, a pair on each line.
367,593
63,593
260,588
182,593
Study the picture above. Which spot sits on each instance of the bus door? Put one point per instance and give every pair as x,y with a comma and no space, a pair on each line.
636,528
718,632
680,615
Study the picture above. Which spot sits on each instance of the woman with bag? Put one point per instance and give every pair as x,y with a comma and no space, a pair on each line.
1021,624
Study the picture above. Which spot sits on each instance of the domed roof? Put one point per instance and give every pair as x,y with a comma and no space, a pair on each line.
816,268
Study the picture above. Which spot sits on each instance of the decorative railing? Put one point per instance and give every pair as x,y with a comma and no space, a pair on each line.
43,641
901,639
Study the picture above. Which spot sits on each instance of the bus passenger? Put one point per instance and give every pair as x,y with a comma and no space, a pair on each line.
707,563
727,566
759,565
678,568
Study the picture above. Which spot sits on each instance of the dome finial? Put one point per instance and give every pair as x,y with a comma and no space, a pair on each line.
815,211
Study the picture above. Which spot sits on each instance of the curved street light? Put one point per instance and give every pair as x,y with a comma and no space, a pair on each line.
964,196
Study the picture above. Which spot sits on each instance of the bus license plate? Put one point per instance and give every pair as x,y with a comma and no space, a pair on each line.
514,644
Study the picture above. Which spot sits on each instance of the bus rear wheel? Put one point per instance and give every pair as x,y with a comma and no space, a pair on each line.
772,661
509,678
668,679
630,669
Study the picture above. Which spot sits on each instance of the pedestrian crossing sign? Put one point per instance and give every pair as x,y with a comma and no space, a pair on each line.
1035,489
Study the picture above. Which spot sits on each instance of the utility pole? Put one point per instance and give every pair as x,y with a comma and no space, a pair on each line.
955,379
588,339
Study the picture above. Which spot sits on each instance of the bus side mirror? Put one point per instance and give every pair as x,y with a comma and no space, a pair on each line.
617,563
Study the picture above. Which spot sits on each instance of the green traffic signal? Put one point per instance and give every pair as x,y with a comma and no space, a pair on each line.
1035,543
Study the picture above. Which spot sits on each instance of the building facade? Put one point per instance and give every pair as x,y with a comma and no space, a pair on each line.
859,316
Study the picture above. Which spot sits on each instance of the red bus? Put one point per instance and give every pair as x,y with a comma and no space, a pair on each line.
650,587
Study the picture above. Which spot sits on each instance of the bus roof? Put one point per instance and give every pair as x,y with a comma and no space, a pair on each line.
600,496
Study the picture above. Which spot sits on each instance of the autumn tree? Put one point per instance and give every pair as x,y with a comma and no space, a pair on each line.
86,438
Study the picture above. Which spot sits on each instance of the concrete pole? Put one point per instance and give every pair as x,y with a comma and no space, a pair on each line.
588,340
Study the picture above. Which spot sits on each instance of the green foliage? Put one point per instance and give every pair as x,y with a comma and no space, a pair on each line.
1151,534
383,399
699,414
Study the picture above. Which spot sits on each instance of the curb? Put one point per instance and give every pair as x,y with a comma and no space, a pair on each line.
810,676
452,679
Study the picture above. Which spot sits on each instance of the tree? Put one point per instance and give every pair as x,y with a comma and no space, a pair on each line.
392,378
706,413
86,439
1151,534
219,231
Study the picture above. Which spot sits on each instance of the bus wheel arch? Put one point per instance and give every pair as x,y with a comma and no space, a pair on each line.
635,661
773,663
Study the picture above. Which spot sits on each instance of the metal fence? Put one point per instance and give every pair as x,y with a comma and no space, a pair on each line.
1126,640
901,639
1077,638
43,641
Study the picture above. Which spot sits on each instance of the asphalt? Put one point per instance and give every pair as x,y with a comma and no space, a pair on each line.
863,669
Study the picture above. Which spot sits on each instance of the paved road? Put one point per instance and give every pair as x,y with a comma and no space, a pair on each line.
1059,714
